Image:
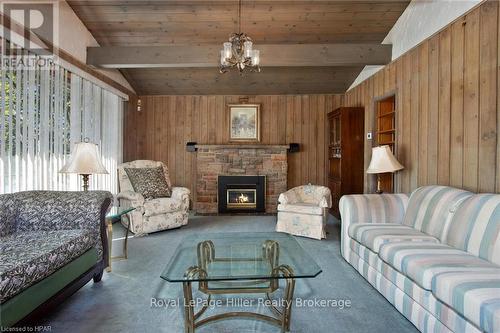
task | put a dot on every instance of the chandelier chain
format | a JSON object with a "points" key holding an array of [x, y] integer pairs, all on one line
{"points": [[239, 17]]}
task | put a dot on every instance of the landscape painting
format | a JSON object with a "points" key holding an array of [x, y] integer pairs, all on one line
{"points": [[244, 122]]}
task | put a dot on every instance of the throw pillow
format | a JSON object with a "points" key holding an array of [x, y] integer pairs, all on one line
{"points": [[150, 182]]}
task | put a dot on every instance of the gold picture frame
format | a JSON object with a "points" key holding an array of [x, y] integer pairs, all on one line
{"points": [[244, 122]]}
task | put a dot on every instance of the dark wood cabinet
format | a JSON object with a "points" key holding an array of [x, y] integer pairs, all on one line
{"points": [[345, 153]]}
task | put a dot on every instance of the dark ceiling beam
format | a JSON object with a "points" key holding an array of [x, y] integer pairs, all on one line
{"points": [[271, 81], [7, 23], [271, 55]]}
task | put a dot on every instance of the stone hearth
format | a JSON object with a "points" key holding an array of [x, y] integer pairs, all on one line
{"points": [[250, 160]]}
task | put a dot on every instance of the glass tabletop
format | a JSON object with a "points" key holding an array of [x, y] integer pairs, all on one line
{"points": [[239, 256], [117, 212]]}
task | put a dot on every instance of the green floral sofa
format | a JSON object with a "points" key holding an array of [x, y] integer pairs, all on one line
{"points": [[51, 244]]}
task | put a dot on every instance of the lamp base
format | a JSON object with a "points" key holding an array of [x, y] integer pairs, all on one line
{"points": [[85, 182], [379, 185]]}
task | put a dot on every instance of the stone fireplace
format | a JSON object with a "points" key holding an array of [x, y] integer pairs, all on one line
{"points": [[213, 161]]}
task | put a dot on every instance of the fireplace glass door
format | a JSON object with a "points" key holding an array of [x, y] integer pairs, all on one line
{"points": [[241, 194], [241, 198]]}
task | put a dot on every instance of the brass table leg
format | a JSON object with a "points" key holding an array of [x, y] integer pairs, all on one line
{"points": [[188, 308], [289, 290], [124, 255], [125, 244], [109, 224], [282, 317]]}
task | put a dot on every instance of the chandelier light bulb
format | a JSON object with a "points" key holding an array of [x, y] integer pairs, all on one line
{"points": [[248, 48], [255, 57], [227, 50], [223, 61]]}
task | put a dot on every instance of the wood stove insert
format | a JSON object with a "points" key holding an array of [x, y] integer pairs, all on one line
{"points": [[241, 194]]}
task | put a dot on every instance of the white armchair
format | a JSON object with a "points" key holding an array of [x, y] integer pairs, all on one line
{"points": [[152, 214], [303, 211]]}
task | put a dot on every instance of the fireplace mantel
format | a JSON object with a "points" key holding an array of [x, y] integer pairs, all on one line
{"points": [[241, 146]]}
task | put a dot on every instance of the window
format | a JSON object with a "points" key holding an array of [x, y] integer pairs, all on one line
{"points": [[44, 111]]}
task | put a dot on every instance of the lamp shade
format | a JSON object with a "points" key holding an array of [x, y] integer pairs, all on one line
{"points": [[383, 161], [85, 160]]}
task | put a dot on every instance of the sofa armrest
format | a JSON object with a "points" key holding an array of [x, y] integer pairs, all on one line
{"points": [[135, 199], [182, 194], [288, 197], [370, 208], [326, 199], [8, 214]]}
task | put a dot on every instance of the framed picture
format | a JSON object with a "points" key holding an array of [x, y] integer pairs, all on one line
{"points": [[244, 122]]}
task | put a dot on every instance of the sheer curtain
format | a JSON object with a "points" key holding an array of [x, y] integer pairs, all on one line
{"points": [[44, 111]]}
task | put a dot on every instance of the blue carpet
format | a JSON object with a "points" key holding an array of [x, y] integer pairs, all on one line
{"points": [[122, 302]]}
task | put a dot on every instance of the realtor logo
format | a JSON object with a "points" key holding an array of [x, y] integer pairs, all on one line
{"points": [[23, 17]]}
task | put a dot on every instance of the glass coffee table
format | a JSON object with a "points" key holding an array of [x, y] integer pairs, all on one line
{"points": [[239, 263]]}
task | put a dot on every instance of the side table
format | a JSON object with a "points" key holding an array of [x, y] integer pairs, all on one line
{"points": [[115, 215]]}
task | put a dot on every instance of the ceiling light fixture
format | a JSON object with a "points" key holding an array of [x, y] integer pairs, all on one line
{"points": [[238, 52]]}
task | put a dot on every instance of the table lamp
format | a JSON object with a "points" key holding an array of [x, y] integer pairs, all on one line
{"points": [[383, 161], [85, 161]]}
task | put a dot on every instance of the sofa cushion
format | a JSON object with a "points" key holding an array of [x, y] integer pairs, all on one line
{"points": [[476, 296], [431, 208], [301, 208], [421, 261], [475, 227], [373, 235], [161, 206], [150, 182], [364, 253], [124, 181], [28, 257]]}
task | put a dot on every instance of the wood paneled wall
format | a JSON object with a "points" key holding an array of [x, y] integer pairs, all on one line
{"points": [[447, 106], [160, 131]]}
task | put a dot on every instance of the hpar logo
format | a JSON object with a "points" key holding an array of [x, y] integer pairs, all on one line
{"points": [[30, 30]]}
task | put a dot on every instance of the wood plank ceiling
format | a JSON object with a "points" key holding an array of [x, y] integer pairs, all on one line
{"points": [[203, 22]]}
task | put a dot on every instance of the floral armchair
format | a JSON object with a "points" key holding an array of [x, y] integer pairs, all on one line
{"points": [[152, 215], [303, 211]]}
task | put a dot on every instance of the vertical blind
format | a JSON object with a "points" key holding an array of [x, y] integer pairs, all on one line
{"points": [[44, 111]]}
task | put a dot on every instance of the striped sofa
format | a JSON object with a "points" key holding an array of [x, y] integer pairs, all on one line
{"points": [[435, 255]]}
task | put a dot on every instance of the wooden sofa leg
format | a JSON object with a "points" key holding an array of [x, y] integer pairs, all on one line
{"points": [[98, 276]]}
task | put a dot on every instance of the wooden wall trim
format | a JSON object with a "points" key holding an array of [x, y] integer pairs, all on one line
{"points": [[497, 186], [447, 105]]}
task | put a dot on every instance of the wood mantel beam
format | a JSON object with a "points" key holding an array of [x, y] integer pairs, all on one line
{"points": [[272, 55]]}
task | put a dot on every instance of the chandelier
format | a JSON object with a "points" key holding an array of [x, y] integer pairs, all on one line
{"points": [[239, 52]]}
